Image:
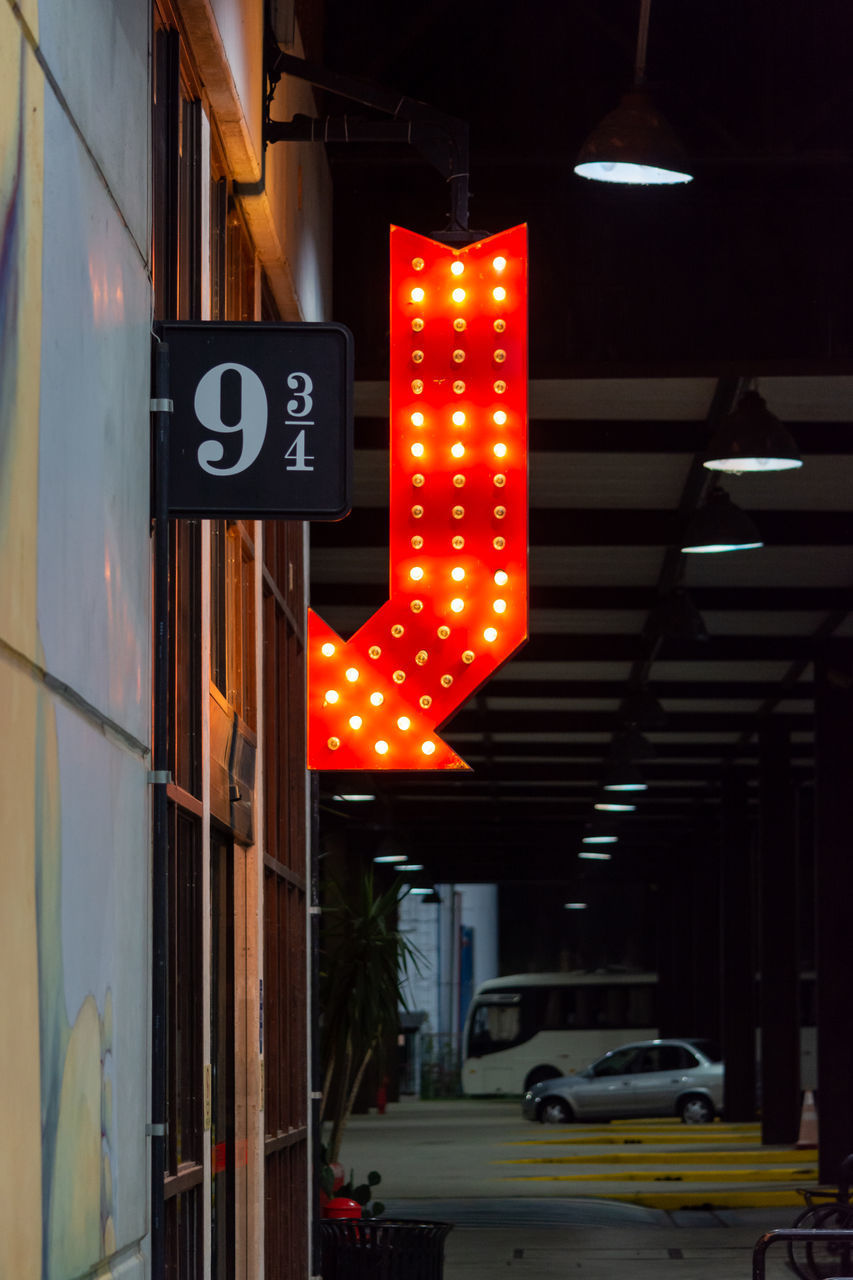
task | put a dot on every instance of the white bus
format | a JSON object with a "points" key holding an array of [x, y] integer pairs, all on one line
{"points": [[533, 1026]]}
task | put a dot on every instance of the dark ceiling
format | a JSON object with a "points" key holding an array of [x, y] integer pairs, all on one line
{"points": [[651, 310]]}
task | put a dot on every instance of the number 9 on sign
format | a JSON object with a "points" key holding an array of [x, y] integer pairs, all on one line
{"points": [[252, 424]]}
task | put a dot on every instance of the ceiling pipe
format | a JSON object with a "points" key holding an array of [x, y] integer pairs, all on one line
{"points": [[442, 139]]}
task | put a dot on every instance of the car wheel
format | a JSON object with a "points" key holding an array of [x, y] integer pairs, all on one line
{"points": [[555, 1111], [538, 1074], [696, 1110]]}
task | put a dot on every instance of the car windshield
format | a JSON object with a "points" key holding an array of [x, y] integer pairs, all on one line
{"points": [[710, 1049]]}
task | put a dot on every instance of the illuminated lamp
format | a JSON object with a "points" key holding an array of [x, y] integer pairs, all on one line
{"points": [[439, 635], [390, 857], [354, 797], [575, 906], [599, 839], [604, 806], [752, 439], [634, 145], [411, 866], [592, 855], [717, 526]]}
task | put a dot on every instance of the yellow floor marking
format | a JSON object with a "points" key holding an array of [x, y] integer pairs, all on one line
{"points": [[571, 1135], [671, 1130], [686, 1175], [663, 1122], [772, 1155], [707, 1199]]}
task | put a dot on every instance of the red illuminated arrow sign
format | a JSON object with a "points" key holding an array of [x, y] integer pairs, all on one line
{"points": [[458, 513]]}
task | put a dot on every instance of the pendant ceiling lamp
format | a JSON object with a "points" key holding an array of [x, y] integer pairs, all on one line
{"points": [[634, 145], [623, 775], [718, 525], [752, 439]]}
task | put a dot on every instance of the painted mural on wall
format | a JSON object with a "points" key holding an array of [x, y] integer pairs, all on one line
{"points": [[61, 919], [20, 287]]}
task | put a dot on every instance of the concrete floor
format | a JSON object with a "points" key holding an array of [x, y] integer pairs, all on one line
{"points": [[452, 1161]]}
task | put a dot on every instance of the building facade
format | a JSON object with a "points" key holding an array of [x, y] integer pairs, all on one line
{"points": [[134, 188]]}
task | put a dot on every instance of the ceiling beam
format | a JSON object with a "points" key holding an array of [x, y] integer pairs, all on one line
{"points": [[610, 527], [625, 648], [665, 690], [595, 751], [570, 435], [567, 771], [544, 719], [730, 599]]}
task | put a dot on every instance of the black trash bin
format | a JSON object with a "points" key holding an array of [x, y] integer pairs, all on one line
{"points": [[382, 1249]]}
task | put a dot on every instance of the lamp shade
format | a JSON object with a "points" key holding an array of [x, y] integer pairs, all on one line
{"points": [[752, 439], [623, 775], [633, 145], [719, 525]]}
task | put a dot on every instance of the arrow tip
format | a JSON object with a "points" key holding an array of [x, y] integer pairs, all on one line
{"points": [[364, 723]]}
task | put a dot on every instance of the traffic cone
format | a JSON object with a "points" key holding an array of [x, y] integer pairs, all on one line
{"points": [[808, 1122]]}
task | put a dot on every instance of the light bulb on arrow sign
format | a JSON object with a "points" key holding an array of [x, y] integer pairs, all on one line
{"points": [[457, 606]]}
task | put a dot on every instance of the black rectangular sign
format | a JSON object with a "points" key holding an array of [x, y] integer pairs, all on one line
{"points": [[262, 420]]}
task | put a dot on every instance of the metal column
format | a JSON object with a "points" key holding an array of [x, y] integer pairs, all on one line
{"points": [[779, 940], [834, 901], [737, 950], [705, 931]]}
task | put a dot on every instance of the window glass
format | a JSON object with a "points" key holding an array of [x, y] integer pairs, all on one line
{"points": [[552, 1009], [668, 1057], [709, 1048], [493, 1027], [232, 617], [616, 1063]]}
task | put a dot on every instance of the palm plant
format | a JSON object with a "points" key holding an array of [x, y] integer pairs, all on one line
{"points": [[365, 957]]}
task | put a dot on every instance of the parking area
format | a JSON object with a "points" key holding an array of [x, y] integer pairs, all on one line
{"points": [[650, 1198]]}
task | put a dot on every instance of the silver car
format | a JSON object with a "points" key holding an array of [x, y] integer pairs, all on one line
{"points": [[647, 1078]]}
